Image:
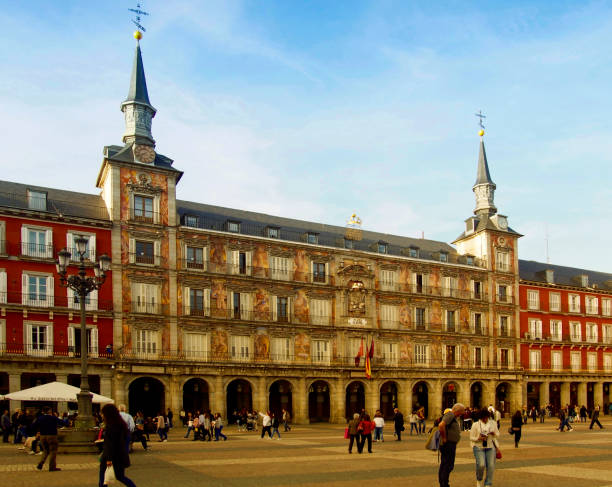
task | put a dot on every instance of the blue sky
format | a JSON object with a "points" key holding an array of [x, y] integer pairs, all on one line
{"points": [[317, 109]]}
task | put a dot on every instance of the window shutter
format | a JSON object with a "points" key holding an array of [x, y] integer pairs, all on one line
{"points": [[249, 263], [511, 358], [24, 289], [206, 302], [50, 291], [327, 278], [3, 288], [71, 341], [234, 262], [49, 243], [132, 251], [49, 344], [473, 323], [414, 282], [24, 240], [93, 300], [187, 300], [230, 304], [70, 246], [157, 251], [92, 248], [70, 298], [28, 338], [156, 216], [274, 304], [93, 345]]}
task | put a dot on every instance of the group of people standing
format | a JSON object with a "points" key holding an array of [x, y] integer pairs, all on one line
{"points": [[205, 425]]}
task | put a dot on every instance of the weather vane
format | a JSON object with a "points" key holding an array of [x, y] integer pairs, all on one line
{"points": [[480, 124], [138, 11]]}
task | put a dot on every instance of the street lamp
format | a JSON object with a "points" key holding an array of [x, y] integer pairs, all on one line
{"points": [[82, 285]]}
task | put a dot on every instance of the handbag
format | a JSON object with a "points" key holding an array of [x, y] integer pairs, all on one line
{"points": [[510, 431], [346, 433], [498, 454], [109, 475]]}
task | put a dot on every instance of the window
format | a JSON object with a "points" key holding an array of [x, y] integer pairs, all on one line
{"points": [[312, 238], [74, 341], [74, 301], [504, 357], [192, 221], [389, 353], [3, 288], [143, 208], [195, 258], [592, 305], [90, 248], [37, 242], [535, 328], [607, 361], [240, 262], [556, 360], [502, 261], [241, 308], [413, 252], [584, 280], [576, 360], [348, 243], [477, 324], [555, 330], [504, 326], [592, 332], [39, 339], [477, 356], [419, 319], [197, 301], [382, 248], [37, 290], [421, 354], [279, 268], [502, 293], [476, 290], [443, 257], [319, 272], [451, 320], [388, 280], [239, 347], [554, 301], [606, 307], [592, 361], [144, 252], [389, 316], [320, 351], [233, 226], [449, 286], [320, 311], [282, 349], [37, 200], [419, 283], [574, 303], [280, 308], [533, 299], [535, 360], [575, 331], [469, 260], [147, 343], [195, 346], [273, 232], [606, 333], [145, 298], [450, 356]]}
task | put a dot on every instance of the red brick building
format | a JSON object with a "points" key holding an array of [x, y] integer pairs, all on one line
{"points": [[39, 319], [566, 335]]}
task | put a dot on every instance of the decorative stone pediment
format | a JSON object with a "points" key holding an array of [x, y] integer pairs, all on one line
{"points": [[152, 234], [244, 246], [196, 283], [287, 253], [195, 241], [356, 271], [319, 258], [146, 278], [144, 185]]}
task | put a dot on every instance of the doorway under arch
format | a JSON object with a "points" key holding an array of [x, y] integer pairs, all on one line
{"points": [[420, 397], [449, 395], [148, 395], [318, 402], [195, 395], [239, 397], [355, 399], [388, 399], [476, 395], [280, 398]]}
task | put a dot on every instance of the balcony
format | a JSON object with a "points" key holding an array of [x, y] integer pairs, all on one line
{"points": [[148, 307], [144, 216], [37, 251], [43, 350], [37, 300], [145, 259], [504, 299]]}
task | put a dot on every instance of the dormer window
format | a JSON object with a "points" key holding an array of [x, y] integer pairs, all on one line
{"points": [[273, 232], [312, 238], [443, 257], [469, 260], [413, 252], [348, 243], [37, 200], [192, 221], [233, 226], [584, 280], [382, 248], [550, 276]]}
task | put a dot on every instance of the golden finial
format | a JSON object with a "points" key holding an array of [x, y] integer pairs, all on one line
{"points": [[138, 11], [355, 220], [481, 132], [137, 35], [480, 116]]}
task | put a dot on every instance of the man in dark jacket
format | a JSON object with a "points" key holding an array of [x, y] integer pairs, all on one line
{"points": [[595, 418], [398, 421], [5, 425], [47, 424]]}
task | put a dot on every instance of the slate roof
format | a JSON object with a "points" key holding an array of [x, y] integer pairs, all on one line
{"points": [[138, 83], [256, 224], [482, 174], [124, 153], [530, 270], [59, 202]]}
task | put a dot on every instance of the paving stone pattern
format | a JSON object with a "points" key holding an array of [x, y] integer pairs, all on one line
{"points": [[316, 455]]}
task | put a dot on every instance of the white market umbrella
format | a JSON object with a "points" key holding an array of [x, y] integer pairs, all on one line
{"points": [[53, 391]]}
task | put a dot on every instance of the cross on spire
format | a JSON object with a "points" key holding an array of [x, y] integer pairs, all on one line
{"points": [[138, 11], [480, 117]]}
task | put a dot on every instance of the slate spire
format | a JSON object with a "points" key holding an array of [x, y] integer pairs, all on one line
{"points": [[138, 84], [482, 175], [484, 187]]}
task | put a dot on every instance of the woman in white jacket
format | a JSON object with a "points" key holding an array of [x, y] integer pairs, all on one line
{"points": [[484, 441]]}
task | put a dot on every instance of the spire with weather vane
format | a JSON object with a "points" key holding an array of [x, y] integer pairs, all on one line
{"points": [[484, 187]]}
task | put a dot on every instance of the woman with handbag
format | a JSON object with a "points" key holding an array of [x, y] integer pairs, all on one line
{"points": [[516, 427], [353, 434], [365, 428], [115, 457], [483, 439]]}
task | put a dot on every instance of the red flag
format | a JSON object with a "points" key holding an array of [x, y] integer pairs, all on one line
{"points": [[359, 354], [371, 352]]}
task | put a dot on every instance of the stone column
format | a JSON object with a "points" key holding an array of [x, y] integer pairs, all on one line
{"points": [[218, 397], [488, 393], [565, 393], [463, 395], [174, 396], [582, 394], [337, 406], [598, 394], [517, 397], [372, 398], [106, 386], [119, 395], [14, 386], [545, 393], [299, 398], [260, 398], [404, 399], [435, 400], [62, 406]]}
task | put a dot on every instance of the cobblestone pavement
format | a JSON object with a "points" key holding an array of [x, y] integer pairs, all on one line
{"points": [[316, 455]]}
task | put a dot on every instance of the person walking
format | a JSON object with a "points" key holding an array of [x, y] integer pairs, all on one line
{"points": [[517, 427], [129, 422], [483, 439], [379, 422], [139, 433], [161, 427], [398, 423], [353, 433], [169, 416], [114, 453], [266, 424], [46, 424], [275, 425], [365, 428], [286, 420], [583, 414], [421, 419], [563, 422], [219, 428], [595, 418], [450, 434], [5, 425]]}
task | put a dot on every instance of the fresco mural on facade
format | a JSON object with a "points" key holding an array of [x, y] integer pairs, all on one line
{"points": [[464, 319], [436, 315], [218, 258], [218, 345], [434, 280], [133, 176], [300, 306], [261, 305], [262, 347], [463, 282], [301, 347], [404, 277], [218, 296], [260, 261], [465, 355], [405, 316], [436, 350], [300, 266], [406, 351]]}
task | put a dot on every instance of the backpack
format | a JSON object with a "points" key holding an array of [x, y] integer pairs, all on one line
{"points": [[433, 440]]}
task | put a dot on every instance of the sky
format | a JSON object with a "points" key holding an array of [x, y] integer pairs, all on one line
{"points": [[317, 109]]}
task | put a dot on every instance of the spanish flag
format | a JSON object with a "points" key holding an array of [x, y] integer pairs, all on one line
{"points": [[368, 361], [359, 354]]}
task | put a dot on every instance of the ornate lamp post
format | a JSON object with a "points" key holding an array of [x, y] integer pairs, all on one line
{"points": [[82, 285]]}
